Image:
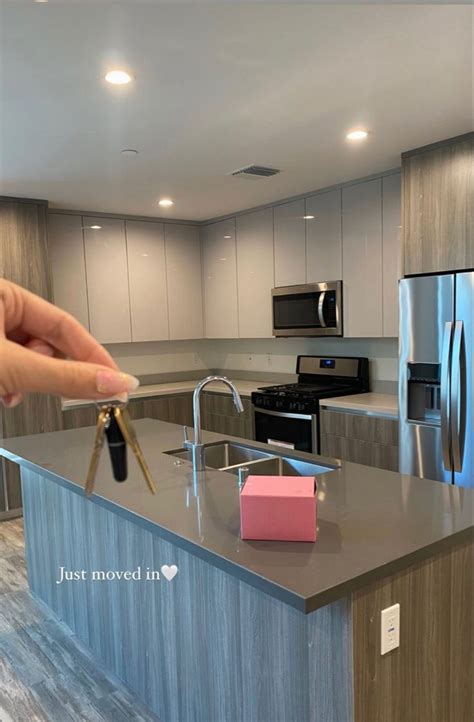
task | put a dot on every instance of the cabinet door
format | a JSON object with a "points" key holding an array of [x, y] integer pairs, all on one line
{"points": [[437, 207], [147, 281], [290, 243], [183, 268], [68, 265], [362, 259], [392, 251], [107, 279], [220, 280], [255, 273], [324, 237]]}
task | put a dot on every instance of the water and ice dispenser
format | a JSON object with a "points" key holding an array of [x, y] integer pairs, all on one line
{"points": [[424, 392]]}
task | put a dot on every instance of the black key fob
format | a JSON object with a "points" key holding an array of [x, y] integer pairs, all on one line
{"points": [[117, 449]]}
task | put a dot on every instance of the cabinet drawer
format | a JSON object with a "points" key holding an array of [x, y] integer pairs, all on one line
{"points": [[357, 426], [382, 456], [223, 404]]}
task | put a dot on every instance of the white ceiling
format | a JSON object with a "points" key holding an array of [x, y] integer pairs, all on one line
{"points": [[217, 88]]}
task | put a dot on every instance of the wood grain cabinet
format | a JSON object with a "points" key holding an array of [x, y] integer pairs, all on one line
{"points": [[362, 259], [177, 409], [324, 237], [147, 281], [68, 265], [255, 273], [183, 273], [368, 440], [391, 251], [437, 207], [219, 415], [107, 279], [220, 280], [290, 243]]}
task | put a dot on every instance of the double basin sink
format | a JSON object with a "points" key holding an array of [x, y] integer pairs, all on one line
{"points": [[231, 456]]}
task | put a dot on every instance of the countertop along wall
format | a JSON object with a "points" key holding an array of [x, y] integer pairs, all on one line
{"points": [[268, 359]]}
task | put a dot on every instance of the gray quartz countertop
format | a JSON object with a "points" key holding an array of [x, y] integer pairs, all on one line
{"points": [[368, 404], [244, 387], [370, 522]]}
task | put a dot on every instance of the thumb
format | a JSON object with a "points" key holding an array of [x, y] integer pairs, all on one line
{"points": [[22, 371]]}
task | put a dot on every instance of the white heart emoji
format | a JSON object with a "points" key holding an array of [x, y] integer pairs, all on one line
{"points": [[169, 573]]}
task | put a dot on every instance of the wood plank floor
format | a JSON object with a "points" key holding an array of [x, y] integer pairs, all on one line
{"points": [[46, 674]]}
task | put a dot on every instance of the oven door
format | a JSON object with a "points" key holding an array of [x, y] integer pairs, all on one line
{"points": [[313, 309], [291, 431]]}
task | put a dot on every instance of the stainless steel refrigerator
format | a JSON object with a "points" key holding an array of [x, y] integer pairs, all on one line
{"points": [[436, 377]]}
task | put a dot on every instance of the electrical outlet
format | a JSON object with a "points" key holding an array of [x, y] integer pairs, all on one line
{"points": [[390, 629]]}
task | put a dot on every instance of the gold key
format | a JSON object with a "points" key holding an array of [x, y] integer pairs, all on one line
{"points": [[125, 425], [104, 416]]}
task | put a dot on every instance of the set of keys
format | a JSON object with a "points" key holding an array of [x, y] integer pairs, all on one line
{"points": [[114, 424]]}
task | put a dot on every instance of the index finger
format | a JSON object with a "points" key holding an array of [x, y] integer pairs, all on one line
{"points": [[36, 317]]}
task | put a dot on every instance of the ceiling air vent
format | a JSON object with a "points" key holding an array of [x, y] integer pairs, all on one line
{"points": [[255, 171]]}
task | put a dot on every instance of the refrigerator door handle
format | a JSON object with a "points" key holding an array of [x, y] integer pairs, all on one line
{"points": [[457, 411], [445, 395]]}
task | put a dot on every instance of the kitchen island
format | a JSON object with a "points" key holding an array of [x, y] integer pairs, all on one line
{"points": [[254, 631]]}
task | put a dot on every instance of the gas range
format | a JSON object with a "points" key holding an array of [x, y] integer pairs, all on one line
{"points": [[288, 413]]}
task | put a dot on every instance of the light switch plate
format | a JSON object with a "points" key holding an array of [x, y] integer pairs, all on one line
{"points": [[390, 629]]}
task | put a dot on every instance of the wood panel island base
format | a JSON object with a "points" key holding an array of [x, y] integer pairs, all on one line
{"points": [[255, 631]]}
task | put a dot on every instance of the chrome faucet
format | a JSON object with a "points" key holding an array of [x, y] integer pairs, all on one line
{"points": [[197, 447]]}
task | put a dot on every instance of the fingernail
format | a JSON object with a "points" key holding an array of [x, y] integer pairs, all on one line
{"points": [[109, 381], [11, 400]]}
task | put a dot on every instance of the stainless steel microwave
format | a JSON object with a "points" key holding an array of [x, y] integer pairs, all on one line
{"points": [[311, 309]]}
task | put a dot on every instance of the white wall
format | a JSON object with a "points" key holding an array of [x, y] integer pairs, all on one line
{"points": [[258, 355]]}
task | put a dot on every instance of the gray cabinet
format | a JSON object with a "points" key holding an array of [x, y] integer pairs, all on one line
{"points": [[68, 265], [147, 281], [437, 207], [324, 237], [368, 440], [107, 279], [220, 280], [362, 259], [290, 243], [183, 273], [255, 273]]}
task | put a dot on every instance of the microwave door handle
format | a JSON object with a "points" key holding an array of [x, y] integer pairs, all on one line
{"points": [[445, 394], [458, 397], [322, 320]]}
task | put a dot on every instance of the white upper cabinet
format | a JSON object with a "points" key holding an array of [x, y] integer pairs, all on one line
{"points": [[107, 279], [290, 243], [255, 273], [392, 251], [183, 266], [324, 237], [147, 280], [362, 259], [68, 266], [220, 280]]}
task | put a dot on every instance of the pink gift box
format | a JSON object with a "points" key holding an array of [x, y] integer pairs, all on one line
{"points": [[278, 508]]}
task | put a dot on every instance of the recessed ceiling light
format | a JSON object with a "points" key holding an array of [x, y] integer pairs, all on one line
{"points": [[95, 228], [118, 77], [129, 152], [41, 1], [227, 236], [358, 134], [308, 218], [166, 202]]}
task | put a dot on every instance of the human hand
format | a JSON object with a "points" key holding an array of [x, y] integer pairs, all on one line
{"points": [[44, 349]]}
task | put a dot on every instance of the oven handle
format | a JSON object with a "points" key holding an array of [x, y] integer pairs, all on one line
{"points": [[322, 321], [284, 415]]}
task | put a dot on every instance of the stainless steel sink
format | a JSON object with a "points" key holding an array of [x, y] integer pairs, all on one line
{"points": [[224, 455], [286, 466], [229, 456]]}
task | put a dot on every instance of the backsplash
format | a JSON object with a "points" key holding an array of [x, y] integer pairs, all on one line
{"points": [[272, 359]]}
